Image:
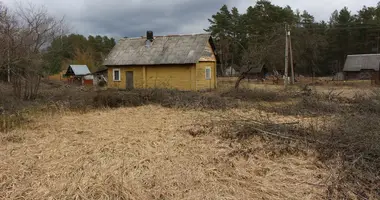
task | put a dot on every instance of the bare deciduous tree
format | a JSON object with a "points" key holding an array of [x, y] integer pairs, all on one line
{"points": [[261, 50], [27, 31]]}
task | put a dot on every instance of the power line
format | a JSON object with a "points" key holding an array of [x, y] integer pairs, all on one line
{"points": [[352, 25], [341, 28], [328, 27]]}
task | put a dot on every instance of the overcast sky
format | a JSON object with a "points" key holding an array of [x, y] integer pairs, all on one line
{"points": [[119, 18]]}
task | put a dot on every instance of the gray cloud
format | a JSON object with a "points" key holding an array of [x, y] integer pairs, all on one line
{"points": [[118, 18], [160, 16]]}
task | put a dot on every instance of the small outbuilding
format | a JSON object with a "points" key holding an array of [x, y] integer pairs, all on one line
{"points": [[79, 74], [100, 77], [230, 71], [362, 66], [254, 72]]}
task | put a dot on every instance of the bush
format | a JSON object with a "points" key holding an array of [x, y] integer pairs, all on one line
{"points": [[316, 104], [163, 97], [114, 99], [254, 95], [367, 103], [10, 122], [102, 83]]}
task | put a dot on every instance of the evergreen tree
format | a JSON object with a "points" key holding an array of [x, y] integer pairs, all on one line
{"points": [[318, 47], [77, 49]]}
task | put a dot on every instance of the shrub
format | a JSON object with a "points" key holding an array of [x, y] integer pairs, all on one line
{"points": [[163, 97], [114, 99], [367, 103], [254, 95], [102, 83], [10, 122]]}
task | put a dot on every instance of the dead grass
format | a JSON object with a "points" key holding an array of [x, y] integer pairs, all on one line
{"points": [[10, 122], [146, 153], [260, 142]]}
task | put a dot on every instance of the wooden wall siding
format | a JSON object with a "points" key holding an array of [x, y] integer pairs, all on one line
{"points": [[181, 77], [362, 75], [208, 53], [201, 82], [122, 84], [172, 77]]}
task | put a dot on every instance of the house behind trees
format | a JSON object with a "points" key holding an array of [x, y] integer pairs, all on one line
{"points": [[184, 62]]}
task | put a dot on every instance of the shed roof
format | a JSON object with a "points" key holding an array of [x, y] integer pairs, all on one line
{"points": [[78, 70], [174, 49], [252, 69], [101, 70], [355, 63]]}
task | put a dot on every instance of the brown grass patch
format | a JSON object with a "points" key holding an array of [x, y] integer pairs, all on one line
{"points": [[186, 145], [142, 153]]}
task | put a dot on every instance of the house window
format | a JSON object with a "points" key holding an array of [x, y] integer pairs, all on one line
{"points": [[116, 75], [208, 73]]}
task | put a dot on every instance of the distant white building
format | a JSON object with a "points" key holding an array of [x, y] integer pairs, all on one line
{"points": [[230, 71], [338, 76]]}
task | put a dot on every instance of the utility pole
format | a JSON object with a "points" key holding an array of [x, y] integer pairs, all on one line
{"points": [[286, 56], [291, 57], [9, 62], [378, 37]]}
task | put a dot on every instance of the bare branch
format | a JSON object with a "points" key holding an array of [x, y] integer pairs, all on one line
{"points": [[26, 31]]}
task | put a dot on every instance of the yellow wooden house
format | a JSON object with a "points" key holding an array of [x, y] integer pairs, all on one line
{"points": [[184, 62]]}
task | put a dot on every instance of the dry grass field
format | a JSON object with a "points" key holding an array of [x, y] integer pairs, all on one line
{"points": [[146, 153], [322, 85], [259, 143]]}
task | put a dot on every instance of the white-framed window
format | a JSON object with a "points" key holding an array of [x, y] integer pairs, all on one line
{"points": [[116, 75], [208, 73]]}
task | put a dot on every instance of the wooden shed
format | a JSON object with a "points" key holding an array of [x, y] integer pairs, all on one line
{"points": [[79, 74], [184, 62], [254, 72], [362, 66]]}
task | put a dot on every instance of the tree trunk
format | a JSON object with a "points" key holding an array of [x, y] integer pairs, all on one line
{"points": [[237, 84]]}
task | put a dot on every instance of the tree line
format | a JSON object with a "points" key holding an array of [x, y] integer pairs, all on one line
{"points": [[257, 37], [78, 49]]}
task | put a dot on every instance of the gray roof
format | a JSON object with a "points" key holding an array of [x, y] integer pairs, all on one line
{"points": [[175, 49], [355, 63], [80, 70], [253, 69]]}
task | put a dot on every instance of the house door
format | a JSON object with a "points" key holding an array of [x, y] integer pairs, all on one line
{"points": [[129, 80]]}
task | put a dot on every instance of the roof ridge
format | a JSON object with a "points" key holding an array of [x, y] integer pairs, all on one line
{"points": [[169, 35], [372, 54]]}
